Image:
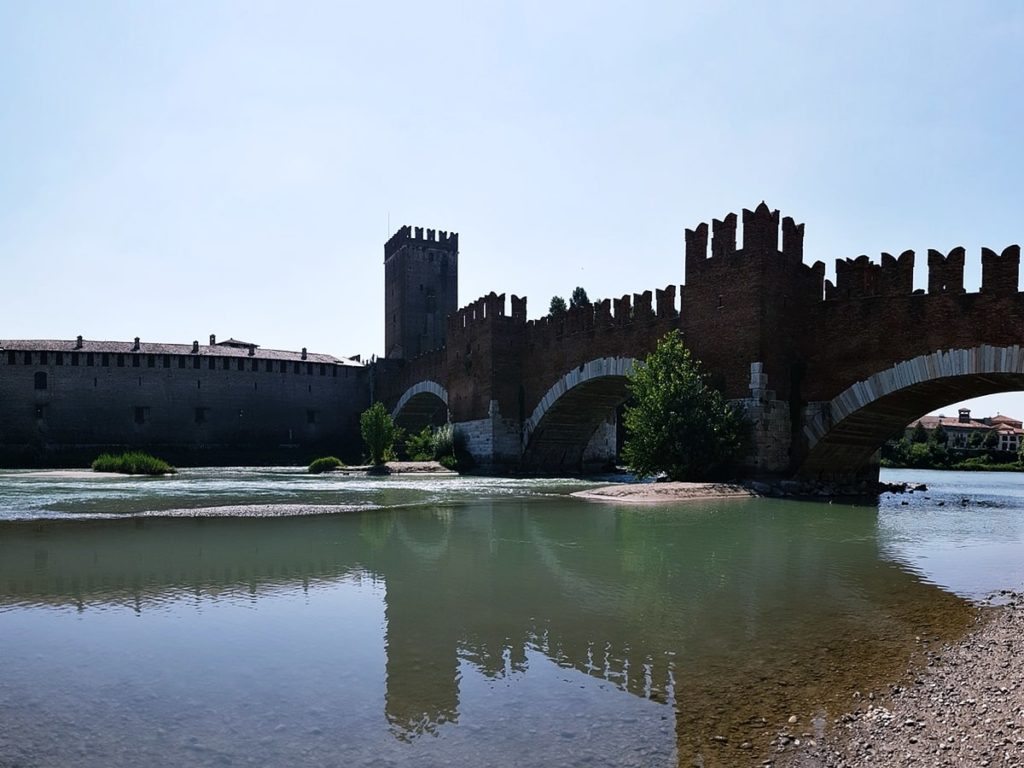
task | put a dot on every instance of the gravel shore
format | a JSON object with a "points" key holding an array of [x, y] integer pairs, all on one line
{"points": [[661, 493], [964, 706]]}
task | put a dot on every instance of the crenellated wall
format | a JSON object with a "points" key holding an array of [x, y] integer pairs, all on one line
{"points": [[771, 332]]}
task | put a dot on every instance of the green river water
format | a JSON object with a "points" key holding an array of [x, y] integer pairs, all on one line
{"points": [[253, 617]]}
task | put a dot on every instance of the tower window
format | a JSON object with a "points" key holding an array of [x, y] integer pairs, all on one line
{"points": [[40, 380], [141, 414]]}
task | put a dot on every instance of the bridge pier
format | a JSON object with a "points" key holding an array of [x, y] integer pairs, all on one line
{"points": [[494, 442]]}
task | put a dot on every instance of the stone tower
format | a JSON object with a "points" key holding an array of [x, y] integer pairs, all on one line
{"points": [[421, 279]]}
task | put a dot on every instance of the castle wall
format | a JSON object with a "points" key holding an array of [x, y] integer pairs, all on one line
{"points": [[214, 406]]}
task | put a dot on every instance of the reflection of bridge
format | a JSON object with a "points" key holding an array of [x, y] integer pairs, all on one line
{"points": [[825, 372], [606, 593]]}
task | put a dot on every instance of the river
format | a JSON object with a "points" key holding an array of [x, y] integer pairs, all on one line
{"points": [[237, 617]]}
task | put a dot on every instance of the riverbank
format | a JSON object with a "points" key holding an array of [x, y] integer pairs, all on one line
{"points": [[960, 705]]}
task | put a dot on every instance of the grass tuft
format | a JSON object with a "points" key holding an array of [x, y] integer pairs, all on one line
{"points": [[132, 463], [325, 464]]}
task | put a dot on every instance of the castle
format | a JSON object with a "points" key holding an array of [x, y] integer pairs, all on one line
{"points": [[825, 371]]}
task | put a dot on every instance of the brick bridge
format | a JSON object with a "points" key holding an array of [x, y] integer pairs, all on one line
{"points": [[826, 373]]}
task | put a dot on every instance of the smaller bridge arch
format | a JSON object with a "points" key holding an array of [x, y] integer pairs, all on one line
{"points": [[557, 433], [844, 433], [424, 403]]}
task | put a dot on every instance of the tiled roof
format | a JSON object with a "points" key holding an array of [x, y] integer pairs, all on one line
{"points": [[150, 348], [1007, 420], [932, 422]]}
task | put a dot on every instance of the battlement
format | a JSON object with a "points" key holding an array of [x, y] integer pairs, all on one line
{"points": [[639, 307], [418, 236], [760, 239], [1000, 272], [861, 278], [483, 309]]}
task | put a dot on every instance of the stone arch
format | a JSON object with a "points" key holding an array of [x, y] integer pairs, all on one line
{"points": [[844, 433], [422, 404], [557, 433]]}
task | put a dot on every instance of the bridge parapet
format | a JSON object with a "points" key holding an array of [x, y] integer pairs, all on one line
{"points": [[861, 278], [609, 313], [486, 308], [1000, 272], [946, 273], [760, 238]]}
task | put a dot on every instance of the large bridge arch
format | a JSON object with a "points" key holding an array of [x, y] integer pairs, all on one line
{"points": [[424, 403], [844, 433], [557, 433]]}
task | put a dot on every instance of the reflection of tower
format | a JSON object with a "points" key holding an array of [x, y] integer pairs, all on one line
{"points": [[421, 278], [422, 639]]}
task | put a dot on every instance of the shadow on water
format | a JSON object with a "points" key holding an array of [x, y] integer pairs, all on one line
{"points": [[733, 616]]}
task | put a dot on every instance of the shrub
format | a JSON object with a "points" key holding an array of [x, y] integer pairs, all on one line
{"points": [[420, 446], [325, 464], [443, 441], [132, 463], [379, 432], [449, 462]]}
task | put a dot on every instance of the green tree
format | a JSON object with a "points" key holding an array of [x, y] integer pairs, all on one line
{"points": [[379, 433], [678, 424], [557, 306], [939, 435], [579, 298], [919, 434]]}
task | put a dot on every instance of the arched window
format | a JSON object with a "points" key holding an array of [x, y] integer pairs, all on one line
{"points": [[41, 380]]}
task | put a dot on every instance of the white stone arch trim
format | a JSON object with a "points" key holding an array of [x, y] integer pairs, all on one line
{"points": [[419, 388], [595, 369], [937, 365]]}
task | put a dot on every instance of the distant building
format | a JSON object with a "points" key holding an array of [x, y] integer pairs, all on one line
{"points": [[964, 432]]}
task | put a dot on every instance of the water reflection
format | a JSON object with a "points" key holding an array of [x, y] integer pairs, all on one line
{"points": [[733, 615]]}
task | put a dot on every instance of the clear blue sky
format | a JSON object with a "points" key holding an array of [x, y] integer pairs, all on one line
{"points": [[175, 169]]}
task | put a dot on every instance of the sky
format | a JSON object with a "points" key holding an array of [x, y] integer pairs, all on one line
{"points": [[170, 170]]}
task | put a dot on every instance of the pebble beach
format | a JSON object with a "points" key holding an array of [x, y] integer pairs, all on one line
{"points": [[960, 705]]}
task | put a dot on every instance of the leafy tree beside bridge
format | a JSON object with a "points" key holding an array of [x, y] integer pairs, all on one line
{"points": [[677, 423], [379, 433]]}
